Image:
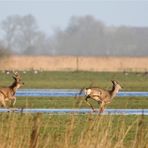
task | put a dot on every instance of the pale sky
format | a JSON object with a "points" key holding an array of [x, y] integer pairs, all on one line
{"points": [[57, 13]]}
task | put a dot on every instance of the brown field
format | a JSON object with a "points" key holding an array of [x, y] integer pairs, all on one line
{"points": [[73, 63]]}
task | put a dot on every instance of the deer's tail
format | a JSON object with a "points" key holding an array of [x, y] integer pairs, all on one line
{"points": [[77, 96]]}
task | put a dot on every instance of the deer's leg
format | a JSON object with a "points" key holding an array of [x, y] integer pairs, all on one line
{"points": [[3, 103], [86, 100], [101, 109], [13, 101]]}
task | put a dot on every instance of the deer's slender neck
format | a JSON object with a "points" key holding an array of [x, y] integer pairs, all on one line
{"points": [[114, 91], [13, 86]]}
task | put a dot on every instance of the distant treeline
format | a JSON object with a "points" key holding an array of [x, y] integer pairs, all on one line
{"points": [[84, 36]]}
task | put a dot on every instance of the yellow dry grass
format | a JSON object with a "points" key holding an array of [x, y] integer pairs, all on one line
{"points": [[72, 63]]}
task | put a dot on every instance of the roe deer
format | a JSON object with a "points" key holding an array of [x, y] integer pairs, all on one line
{"points": [[102, 96], [8, 93]]}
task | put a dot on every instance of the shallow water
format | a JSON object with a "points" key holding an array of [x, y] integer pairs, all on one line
{"points": [[67, 93], [79, 111]]}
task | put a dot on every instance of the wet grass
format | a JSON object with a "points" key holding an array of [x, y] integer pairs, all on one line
{"points": [[130, 81], [71, 102]]}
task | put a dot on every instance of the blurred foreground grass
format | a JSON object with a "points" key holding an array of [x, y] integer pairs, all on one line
{"points": [[19, 130]]}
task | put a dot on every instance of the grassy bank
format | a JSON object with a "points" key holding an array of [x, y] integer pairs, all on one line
{"points": [[71, 102]]}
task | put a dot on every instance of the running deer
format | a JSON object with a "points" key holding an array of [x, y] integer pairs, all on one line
{"points": [[102, 96], [7, 94]]}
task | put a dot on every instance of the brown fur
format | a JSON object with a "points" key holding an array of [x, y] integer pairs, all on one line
{"points": [[8, 93], [102, 96]]}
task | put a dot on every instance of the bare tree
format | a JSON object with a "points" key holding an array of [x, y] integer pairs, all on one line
{"points": [[88, 36], [10, 26], [82, 36], [4, 51], [21, 34]]}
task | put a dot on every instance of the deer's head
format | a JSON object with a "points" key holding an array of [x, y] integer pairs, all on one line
{"points": [[17, 80], [116, 85]]}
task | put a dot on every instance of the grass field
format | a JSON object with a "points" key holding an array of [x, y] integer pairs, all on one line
{"points": [[75, 131], [78, 80], [71, 102], [129, 81]]}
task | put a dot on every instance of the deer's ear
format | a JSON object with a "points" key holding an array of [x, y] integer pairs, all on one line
{"points": [[113, 81]]}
